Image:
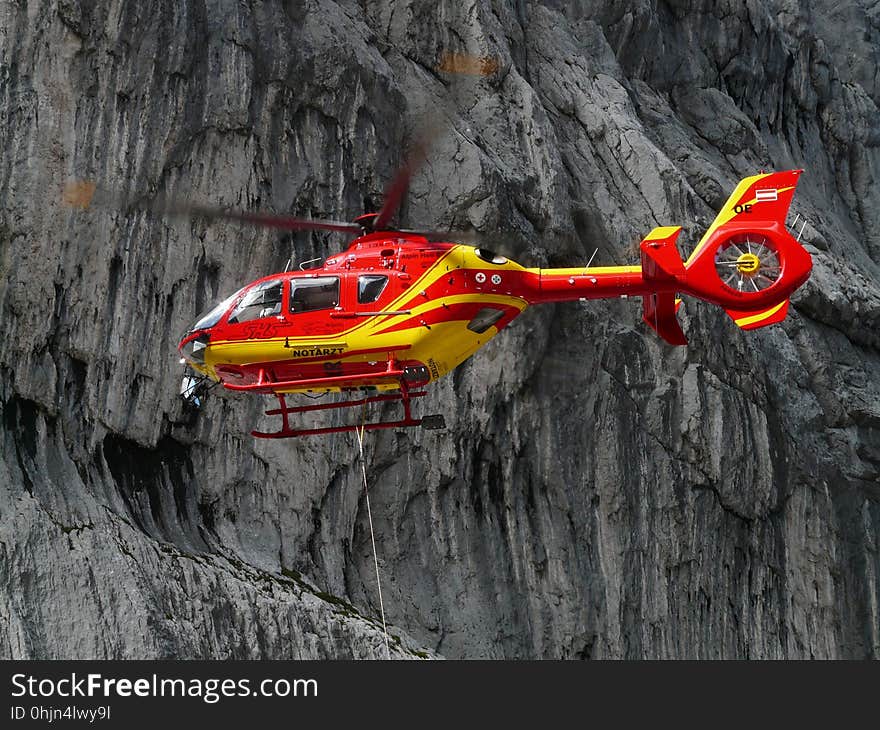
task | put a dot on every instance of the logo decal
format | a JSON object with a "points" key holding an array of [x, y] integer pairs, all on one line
{"points": [[480, 277], [260, 329], [766, 196]]}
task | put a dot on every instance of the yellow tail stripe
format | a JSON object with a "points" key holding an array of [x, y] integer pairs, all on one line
{"points": [[760, 316], [726, 212]]}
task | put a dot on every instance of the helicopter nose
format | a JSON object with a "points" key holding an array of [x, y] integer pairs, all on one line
{"points": [[193, 346]]}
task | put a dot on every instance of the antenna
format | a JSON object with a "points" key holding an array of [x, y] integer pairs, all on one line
{"points": [[803, 226], [591, 260]]}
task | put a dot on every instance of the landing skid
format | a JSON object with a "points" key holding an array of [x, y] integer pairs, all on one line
{"points": [[428, 422]]}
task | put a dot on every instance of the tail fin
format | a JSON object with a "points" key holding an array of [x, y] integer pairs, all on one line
{"points": [[747, 262], [759, 198]]}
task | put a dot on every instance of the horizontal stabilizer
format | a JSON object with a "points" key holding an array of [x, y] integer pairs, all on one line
{"points": [[661, 260], [753, 320]]}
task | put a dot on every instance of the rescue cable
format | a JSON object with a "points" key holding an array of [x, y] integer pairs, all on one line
{"points": [[360, 435]]}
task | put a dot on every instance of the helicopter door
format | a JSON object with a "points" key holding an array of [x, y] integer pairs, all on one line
{"points": [[315, 305]]}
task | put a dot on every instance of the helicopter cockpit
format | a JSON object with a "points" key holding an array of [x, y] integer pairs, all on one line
{"points": [[283, 300], [307, 294], [214, 314], [261, 300]]}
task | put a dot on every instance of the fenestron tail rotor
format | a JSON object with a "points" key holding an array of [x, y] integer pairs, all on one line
{"points": [[747, 263]]}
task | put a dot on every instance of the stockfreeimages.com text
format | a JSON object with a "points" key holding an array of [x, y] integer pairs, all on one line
{"points": [[209, 690]]}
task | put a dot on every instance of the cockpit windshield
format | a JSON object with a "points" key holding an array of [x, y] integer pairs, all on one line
{"points": [[261, 300], [213, 315]]}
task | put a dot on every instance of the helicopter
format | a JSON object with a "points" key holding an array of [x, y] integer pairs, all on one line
{"points": [[396, 311]]}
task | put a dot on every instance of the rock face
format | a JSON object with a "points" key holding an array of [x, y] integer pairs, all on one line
{"points": [[598, 493]]}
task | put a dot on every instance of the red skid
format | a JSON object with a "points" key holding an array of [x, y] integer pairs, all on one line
{"points": [[293, 433], [288, 432], [344, 404]]}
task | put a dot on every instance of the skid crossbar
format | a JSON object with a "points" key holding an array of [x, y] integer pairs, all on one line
{"points": [[393, 373], [287, 432]]}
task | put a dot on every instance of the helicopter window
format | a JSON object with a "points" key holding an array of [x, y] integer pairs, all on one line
{"points": [[213, 316], [370, 288], [307, 295], [263, 300], [490, 256]]}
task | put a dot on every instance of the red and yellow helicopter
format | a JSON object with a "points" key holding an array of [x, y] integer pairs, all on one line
{"points": [[396, 311]]}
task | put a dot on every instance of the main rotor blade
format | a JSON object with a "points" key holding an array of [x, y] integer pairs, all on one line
{"points": [[469, 237], [256, 218], [467, 64], [449, 63], [400, 184], [83, 193]]}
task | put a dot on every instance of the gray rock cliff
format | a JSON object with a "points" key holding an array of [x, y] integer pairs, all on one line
{"points": [[598, 493]]}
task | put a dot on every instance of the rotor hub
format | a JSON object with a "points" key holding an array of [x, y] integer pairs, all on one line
{"points": [[748, 263], [367, 221]]}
